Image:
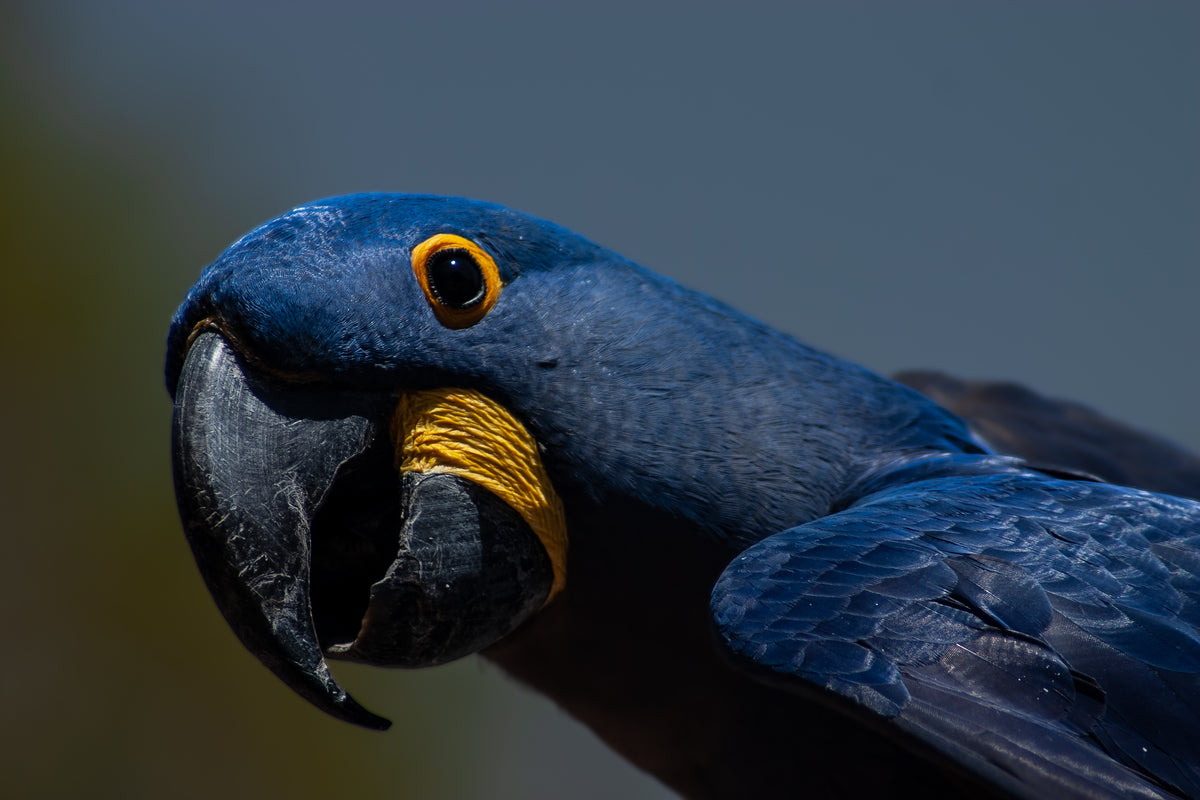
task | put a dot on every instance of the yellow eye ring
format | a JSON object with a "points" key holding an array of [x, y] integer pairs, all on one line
{"points": [[459, 279]]}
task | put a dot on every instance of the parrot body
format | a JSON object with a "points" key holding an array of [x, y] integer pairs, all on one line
{"points": [[750, 566]]}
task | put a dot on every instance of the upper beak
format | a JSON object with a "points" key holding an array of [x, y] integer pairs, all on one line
{"points": [[253, 461]]}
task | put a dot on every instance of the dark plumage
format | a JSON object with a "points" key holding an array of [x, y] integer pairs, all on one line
{"points": [[785, 573]]}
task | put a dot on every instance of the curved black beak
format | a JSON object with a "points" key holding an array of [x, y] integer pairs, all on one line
{"points": [[253, 461], [312, 543]]}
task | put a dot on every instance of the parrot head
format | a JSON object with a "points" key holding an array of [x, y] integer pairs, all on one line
{"points": [[346, 487]]}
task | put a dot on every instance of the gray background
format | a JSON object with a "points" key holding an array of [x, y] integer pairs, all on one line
{"points": [[998, 190]]}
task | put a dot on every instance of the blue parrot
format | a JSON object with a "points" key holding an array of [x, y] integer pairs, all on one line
{"points": [[409, 428]]}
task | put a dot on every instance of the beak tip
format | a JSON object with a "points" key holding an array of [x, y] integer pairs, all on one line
{"points": [[321, 689], [353, 712]]}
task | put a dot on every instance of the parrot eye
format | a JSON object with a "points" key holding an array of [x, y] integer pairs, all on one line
{"points": [[459, 279], [455, 278]]}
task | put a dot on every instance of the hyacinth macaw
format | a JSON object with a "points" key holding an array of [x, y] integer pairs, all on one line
{"points": [[409, 428]]}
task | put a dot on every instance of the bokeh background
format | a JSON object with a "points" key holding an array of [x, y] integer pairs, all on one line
{"points": [[994, 189]]}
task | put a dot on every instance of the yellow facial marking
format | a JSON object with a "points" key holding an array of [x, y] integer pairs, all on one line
{"points": [[461, 432], [447, 267]]}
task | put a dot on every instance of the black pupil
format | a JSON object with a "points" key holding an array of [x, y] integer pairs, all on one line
{"points": [[455, 278]]}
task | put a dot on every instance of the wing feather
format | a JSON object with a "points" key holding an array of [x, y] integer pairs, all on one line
{"points": [[1039, 627]]}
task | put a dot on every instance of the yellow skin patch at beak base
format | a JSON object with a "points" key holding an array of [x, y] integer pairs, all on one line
{"points": [[462, 432]]}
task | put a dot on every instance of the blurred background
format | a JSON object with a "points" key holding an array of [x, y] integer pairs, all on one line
{"points": [[997, 190]]}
